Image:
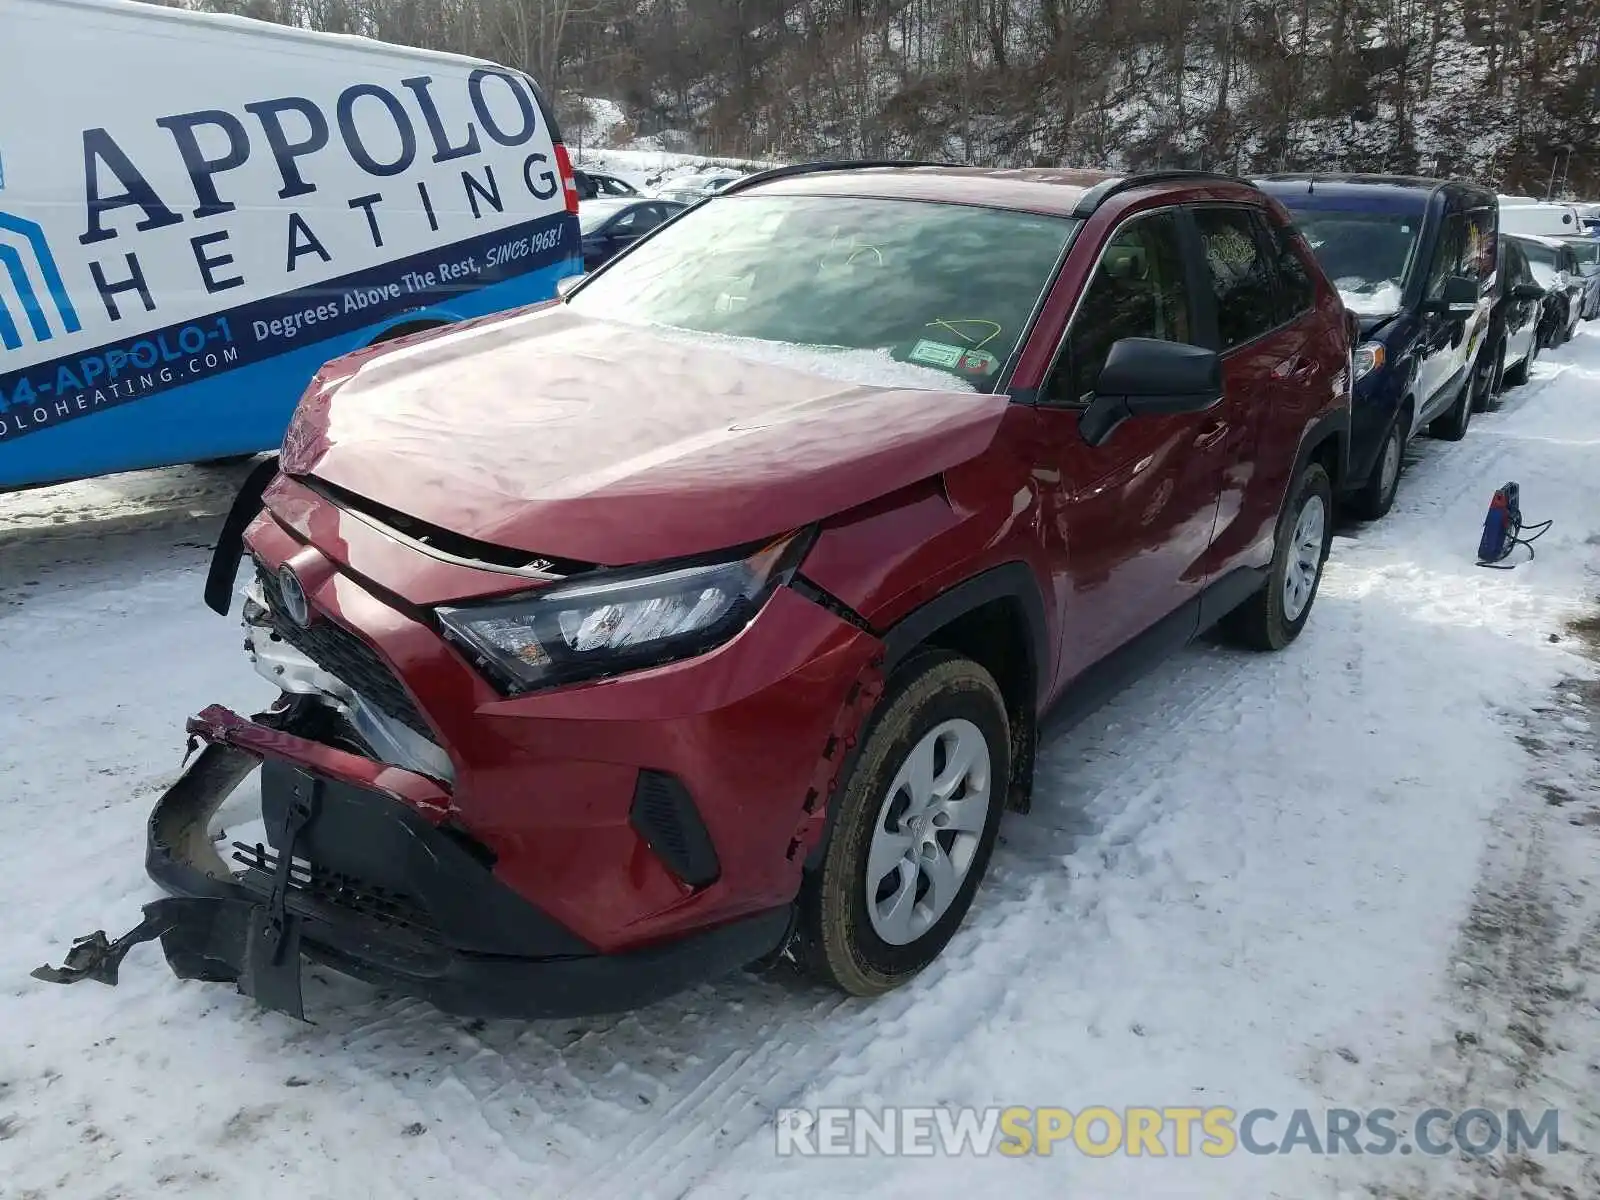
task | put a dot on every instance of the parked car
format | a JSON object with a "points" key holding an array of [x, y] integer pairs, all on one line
{"points": [[688, 189], [713, 610], [1513, 338], [592, 185], [1555, 266], [611, 226], [1586, 252], [1414, 260]]}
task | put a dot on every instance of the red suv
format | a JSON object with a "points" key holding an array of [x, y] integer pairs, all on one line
{"points": [[711, 610]]}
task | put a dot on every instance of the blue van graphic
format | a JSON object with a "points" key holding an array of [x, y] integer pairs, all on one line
{"points": [[16, 269]]}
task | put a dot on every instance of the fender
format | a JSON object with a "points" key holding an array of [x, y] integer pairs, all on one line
{"points": [[1335, 425], [1008, 581]]}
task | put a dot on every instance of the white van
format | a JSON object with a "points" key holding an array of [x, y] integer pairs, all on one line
{"points": [[197, 211], [1539, 218]]}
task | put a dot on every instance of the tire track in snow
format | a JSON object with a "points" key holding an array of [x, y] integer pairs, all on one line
{"points": [[996, 946], [648, 1104]]}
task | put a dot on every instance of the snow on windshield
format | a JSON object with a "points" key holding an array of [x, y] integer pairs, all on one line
{"points": [[1367, 255], [872, 368], [1543, 272], [1369, 299]]}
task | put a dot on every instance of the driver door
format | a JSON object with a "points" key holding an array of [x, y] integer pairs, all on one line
{"points": [[1128, 521]]}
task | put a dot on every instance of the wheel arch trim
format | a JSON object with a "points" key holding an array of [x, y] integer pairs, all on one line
{"points": [[1013, 580]]}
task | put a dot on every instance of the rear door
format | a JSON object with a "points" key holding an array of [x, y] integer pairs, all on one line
{"points": [[1274, 374]]}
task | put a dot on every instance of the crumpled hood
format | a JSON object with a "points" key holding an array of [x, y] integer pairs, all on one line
{"points": [[574, 438]]}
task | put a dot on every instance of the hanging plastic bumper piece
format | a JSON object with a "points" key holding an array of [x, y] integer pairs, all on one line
{"points": [[226, 934]]}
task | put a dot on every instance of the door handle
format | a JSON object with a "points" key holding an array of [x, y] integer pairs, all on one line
{"points": [[1211, 435]]}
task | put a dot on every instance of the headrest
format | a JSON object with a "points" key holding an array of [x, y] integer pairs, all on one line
{"points": [[1126, 262]]}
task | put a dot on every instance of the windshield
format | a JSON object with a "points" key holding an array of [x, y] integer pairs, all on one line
{"points": [[1365, 254], [1587, 249], [944, 288], [594, 213], [1543, 260]]}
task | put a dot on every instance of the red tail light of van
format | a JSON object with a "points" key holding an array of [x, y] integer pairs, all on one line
{"points": [[568, 183]]}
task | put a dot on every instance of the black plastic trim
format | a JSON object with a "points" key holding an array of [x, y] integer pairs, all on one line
{"points": [[1013, 580], [229, 550], [1224, 595], [1098, 682], [1330, 425], [1097, 195], [822, 165], [664, 815], [827, 600]]}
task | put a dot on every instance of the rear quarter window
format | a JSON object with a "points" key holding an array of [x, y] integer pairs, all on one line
{"points": [[1239, 266]]}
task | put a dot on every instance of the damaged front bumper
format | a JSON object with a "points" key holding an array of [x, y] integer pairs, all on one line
{"points": [[365, 871]]}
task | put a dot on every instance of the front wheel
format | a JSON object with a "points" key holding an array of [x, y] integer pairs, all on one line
{"points": [[1376, 496], [1275, 615], [1491, 367], [1518, 375], [915, 825], [1451, 425]]}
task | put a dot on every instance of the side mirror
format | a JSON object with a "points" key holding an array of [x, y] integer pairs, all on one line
{"points": [[1527, 291], [566, 283], [1147, 377], [1459, 298]]}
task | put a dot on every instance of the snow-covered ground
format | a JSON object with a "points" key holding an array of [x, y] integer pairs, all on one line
{"points": [[1362, 873]]}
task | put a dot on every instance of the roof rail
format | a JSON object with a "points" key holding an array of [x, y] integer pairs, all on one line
{"points": [[810, 168], [1107, 188]]}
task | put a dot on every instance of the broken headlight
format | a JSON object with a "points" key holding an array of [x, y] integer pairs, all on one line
{"points": [[607, 623]]}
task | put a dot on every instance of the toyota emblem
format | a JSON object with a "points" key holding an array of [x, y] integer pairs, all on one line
{"points": [[294, 597]]}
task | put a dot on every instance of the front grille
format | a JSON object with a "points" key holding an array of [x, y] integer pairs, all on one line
{"points": [[338, 651], [333, 889]]}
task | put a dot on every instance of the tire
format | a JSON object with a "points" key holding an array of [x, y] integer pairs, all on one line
{"points": [[849, 934], [1451, 425], [1491, 366], [1518, 375], [1264, 621], [1376, 496]]}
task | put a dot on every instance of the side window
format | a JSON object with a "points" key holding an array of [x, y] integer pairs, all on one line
{"points": [[1241, 273], [628, 222], [650, 215], [1451, 255], [1137, 291], [1482, 252], [1517, 265], [1297, 292]]}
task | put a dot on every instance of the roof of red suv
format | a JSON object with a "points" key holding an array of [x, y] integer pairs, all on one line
{"points": [[1057, 191]]}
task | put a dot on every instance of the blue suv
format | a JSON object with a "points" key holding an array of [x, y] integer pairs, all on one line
{"points": [[1414, 261]]}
